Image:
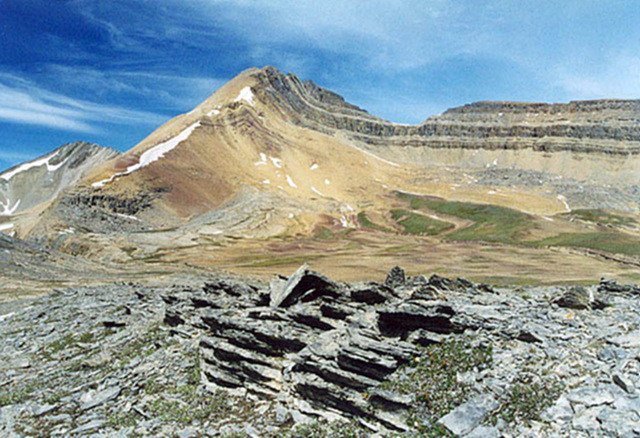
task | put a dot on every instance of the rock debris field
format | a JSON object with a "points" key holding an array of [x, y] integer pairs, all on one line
{"points": [[305, 356]]}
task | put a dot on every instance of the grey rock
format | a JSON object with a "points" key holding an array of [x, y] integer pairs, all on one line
{"points": [[624, 383], [40, 410], [282, 414], [101, 397], [618, 423], [469, 415], [402, 319], [88, 427], [372, 293], [612, 287], [450, 285], [303, 285], [629, 340], [587, 420], [484, 432], [395, 277], [591, 396], [575, 298]]}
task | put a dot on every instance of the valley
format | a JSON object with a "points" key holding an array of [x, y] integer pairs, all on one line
{"points": [[272, 171]]}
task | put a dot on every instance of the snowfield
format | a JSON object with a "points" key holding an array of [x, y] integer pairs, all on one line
{"points": [[37, 163], [152, 155], [246, 95]]}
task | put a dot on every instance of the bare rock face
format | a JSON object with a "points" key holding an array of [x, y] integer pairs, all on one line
{"points": [[41, 180], [598, 126]]}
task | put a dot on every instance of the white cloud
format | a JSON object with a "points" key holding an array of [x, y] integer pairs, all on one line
{"points": [[617, 76], [398, 34], [23, 102], [175, 90]]}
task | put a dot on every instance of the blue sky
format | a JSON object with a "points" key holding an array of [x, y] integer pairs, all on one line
{"points": [[111, 71]]}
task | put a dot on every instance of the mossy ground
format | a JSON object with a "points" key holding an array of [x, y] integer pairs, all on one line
{"points": [[415, 223], [497, 224]]}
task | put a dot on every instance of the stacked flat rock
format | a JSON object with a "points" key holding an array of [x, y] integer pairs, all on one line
{"points": [[222, 356]]}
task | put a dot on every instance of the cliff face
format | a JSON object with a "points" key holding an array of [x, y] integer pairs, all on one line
{"points": [[599, 126]]}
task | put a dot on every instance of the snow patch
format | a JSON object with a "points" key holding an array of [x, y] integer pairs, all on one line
{"points": [[5, 227], [263, 160], [547, 218], [214, 112], [290, 182], [562, 199], [314, 166], [246, 95], [344, 222], [7, 210], [276, 162], [492, 192], [266, 181], [291, 216], [69, 230], [327, 182], [316, 191], [152, 155], [132, 218], [37, 163], [374, 156], [348, 207]]}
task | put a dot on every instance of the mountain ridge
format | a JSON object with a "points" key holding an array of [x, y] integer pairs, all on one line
{"points": [[274, 166]]}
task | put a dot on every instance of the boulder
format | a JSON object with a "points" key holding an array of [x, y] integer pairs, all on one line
{"points": [[304, 285], [395, 278], [372, 293], [579, 298], [414, 315]]}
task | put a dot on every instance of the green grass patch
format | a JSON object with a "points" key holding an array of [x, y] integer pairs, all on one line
{"points": [[327, 430], [278, 261], [17, 395], [186, 404], [324, 233], [527, 400], [612, 242], [397, 249], [491, 223], [432, 378], [365, 222], [414, 223], [598, 216]]}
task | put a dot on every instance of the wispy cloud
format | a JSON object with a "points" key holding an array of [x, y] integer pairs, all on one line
{"points": [[23, 102], [170, 89], [616, 77], [14, 156]]}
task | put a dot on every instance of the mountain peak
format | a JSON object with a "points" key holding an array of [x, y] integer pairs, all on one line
{"points": [[39, 181]]}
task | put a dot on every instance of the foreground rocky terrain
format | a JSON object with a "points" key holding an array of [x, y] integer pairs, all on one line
{"points": [[306, 356]]}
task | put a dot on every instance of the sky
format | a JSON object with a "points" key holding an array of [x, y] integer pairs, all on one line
{"points": [[110, 72]]}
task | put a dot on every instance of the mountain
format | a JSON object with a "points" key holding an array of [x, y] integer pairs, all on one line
{"points": [[34, 184], [271, 168]]}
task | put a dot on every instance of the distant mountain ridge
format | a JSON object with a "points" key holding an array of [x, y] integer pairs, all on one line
{"points": [[38, 181], [601, 126]]}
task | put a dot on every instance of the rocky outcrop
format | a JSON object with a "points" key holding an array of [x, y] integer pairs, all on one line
{"points": [[213, 357], [599, 126]]}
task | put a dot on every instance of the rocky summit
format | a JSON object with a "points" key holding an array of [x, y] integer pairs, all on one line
{"points": [[307, 356]]}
